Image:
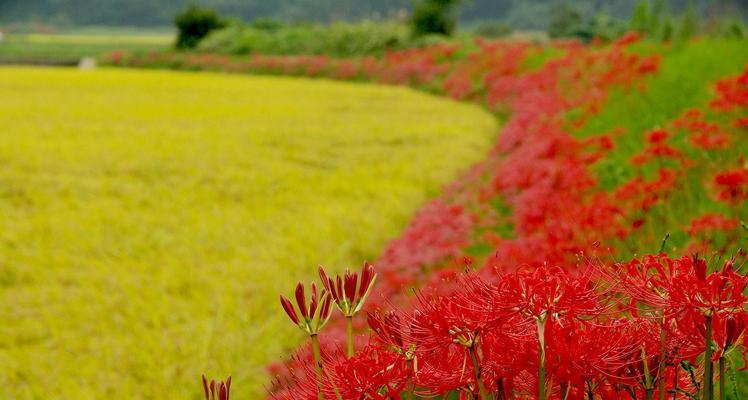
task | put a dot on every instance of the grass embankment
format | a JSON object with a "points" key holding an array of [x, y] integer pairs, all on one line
{"points": [[149, 219], [69, 48], [686, 80]]}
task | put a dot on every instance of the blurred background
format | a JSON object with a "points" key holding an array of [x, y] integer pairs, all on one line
{"points": [[61, 30]]}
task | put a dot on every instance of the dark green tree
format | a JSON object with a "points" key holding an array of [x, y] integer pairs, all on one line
{"points": [[195, 23], [659, 12], [689, 22], [565, 21], [640, 19], [434, 17]]}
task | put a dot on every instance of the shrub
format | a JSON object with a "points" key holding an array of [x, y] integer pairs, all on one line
{"points": [[568, 22], [267, 24], [434, 17], [339, 39], [640, 19], [565, 21], [193, 24], [493, 29]]}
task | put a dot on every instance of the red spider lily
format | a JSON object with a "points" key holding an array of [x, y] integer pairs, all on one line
{"points": [[441, 322], [315, 315], [711, 222], [729, 332], [710, 142], [741, 123], [658, 136], [581, 352], [548, 292], [390, 329], [658, 150], [637, 360], [719, 292], [348, 292], [370, 374], [506, 352], [217, 390], [444, 322], [733, 185], [301, 380], [648, 281], [731, 93]]}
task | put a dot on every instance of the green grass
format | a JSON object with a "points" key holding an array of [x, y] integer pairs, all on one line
{"points": [[685, 80], [149, 219], [71, 47]]}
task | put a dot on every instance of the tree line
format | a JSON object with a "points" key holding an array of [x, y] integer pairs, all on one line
{"points": [[519, 14]]}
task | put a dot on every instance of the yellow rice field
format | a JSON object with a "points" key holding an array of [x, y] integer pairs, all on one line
{"points": [[148, 220]]}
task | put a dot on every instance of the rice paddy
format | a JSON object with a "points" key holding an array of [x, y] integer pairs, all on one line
{"points": [[148, 219]]}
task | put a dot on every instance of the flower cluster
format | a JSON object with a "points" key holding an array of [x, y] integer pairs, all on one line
{"points": [[650, 327]]}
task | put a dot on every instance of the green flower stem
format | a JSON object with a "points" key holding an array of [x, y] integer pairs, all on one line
{"points": [[349, 328], [675, 382], [411, 386], [500, 386], [317, 365], [648, 383], [661, 371], [708, 375], [476, 369], [541, 361], [722, 378]]}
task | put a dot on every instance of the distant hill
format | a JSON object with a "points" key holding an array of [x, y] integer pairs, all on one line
{"points": [[522, 14]]}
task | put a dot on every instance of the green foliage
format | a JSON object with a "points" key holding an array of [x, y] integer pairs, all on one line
{"points": [[658, 23], [667, 30], [68, 49], [640, 20], [685, 80], [734, 29], [566, 21], [659, 14], [604, 27], [338, 39], [267, 24], [492, 29], [195, 23], [434, 17], [689, 22]]}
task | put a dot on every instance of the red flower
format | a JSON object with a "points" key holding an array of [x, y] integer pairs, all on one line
{"points": [[711, 222], [547, 292], [371, 374], [217, 390], [658, 136], [315, 316], [392, 332], [733, 185], [348, 292], [719, 292]]}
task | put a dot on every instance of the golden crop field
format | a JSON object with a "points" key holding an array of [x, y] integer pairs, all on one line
{"points": [[110, 39], [148, 220]]}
